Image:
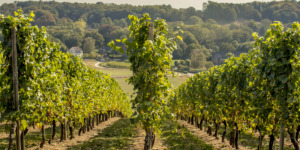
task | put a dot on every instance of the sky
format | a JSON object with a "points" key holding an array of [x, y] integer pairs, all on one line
{"points": [[174, 3]]}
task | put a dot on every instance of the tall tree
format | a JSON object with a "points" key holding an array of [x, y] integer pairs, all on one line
{"points": [[88, 45]]}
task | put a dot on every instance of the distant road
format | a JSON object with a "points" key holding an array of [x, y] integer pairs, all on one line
{"points": [[98, 65]]}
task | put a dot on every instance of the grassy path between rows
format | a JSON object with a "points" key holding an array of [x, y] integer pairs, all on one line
{"points": [[126, 134], [116, 136], [178, 137], [251, 140], [247, 141], [216, 143], [34, 137]]}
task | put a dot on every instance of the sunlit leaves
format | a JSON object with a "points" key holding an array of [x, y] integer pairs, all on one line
{"points": [[150, 63], [52, 85], [259, 88]]}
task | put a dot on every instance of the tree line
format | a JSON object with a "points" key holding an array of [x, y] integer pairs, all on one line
{"points": [[209, 34]]}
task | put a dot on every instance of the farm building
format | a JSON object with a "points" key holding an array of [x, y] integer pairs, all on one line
{"points": [[77, 51]]}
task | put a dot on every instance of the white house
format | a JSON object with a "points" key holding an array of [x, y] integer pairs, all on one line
{"points": [[77, 51]]}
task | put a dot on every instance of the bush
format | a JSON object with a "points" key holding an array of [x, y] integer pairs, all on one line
{"points": [[183, 68], [209, 64], [182, 62], [197, 70], [187, 62], [90, 56], [176, 63]]}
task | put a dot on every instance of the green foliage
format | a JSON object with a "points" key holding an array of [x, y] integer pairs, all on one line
{"points": [[198, 59], [209, 64], [71, 23], [150, 64], [279, 69], [92, 55], [176, 63], [97, 36], [254, 90], [4, 79], [187, 62], [88, 45], [52, 85]]}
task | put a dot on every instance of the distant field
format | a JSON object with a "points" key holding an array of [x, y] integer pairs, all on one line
{"points": [[122, 74], [128, 88], [176, 81], [114, 72], [116, 64]]}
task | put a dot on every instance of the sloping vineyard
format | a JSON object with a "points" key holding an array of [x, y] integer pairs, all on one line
{"points": [[53, 86], [255, 91]]}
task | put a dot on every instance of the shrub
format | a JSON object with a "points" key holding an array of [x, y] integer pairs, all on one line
{"points": [[197, 70], [176, 63]]}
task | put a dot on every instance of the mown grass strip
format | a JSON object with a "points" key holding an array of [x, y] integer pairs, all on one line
{"points": [[250, 140], [182, 139], [116, 136], [116, 64]]}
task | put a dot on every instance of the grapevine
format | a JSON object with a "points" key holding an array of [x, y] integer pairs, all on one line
{"points": [[53, 86], [255, 91]]}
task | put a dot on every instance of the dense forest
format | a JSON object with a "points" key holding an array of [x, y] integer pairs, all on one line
{"points": [[210, 35]]}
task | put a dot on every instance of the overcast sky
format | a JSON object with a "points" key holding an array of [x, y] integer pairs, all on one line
{"points": [[174, 3]]}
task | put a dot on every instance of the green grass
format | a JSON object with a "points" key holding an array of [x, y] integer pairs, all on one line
{"points": [[34, 138], [4, 143], [116, 136], [115, 72], [116, 64], [182, 139], [127, 88], [249, 140], [176, 81], [121, 74], [3, 128]]}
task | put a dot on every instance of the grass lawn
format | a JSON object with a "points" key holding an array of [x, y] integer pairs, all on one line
{"points": [[116, 64], [32, 138], [116, 136], [127, 88], [121, 74], [249, 140], [176, 81], [182, 138], [115, 72]]}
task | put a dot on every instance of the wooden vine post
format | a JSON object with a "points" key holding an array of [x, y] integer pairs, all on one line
{"points": [[151, 38], [15, 83], [281, 137]]}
